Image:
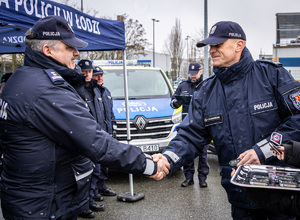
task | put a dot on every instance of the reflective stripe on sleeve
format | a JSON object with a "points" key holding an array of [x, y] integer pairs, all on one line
{"points": [[266, 150], [149, 165], [172, 156], [262, 142]]}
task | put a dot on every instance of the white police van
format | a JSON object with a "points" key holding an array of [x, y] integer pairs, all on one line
{"points": [[152, 121]]}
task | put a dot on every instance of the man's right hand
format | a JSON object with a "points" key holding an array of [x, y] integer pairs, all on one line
{"points": [[248, 157], [163, 166]]}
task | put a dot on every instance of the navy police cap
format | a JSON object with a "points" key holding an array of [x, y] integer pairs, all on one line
{"points": [[85, 64], [221, 32], [55, 28], [97, 70], [194, 68]]}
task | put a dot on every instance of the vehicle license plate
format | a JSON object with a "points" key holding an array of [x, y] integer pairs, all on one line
{"points": [[150, 148]]}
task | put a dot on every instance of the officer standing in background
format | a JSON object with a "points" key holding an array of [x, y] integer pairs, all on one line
{"points": [[48, 135], [243, 108], [187, 89], [108, 116], [108, 123], [91, 96]]}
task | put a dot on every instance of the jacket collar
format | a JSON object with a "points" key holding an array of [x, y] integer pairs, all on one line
{"points": [[36, 59], [237, 70]]}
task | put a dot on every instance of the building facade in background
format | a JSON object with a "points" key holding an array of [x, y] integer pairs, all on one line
{"points": [[287, 47]]}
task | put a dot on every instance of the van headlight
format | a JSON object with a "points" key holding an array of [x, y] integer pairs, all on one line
{"points": [[177, 118]]}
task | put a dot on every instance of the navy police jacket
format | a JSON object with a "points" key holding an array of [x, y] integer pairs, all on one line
{"points": [[47, 135], [106, 103], [100, 103], [246, 106], [186, 88]]}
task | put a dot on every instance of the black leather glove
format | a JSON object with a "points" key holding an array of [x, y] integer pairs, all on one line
{"points": [[177, 103]]}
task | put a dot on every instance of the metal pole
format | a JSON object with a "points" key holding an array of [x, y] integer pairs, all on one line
{"points": [[128, 196], [206, 58], [127, 113], [187, 51], [154, 20], [83, 54], [153, 43], [126, 96]]}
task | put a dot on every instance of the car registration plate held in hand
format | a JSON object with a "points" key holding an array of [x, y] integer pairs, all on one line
{"points": [[150, 148]]}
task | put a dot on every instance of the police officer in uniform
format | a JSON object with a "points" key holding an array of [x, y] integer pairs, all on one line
{"points": [[242, 107], [187, 89], [48, 135], [108, 123], [91, 97]]}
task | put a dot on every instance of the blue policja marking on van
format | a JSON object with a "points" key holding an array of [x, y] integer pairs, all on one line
{"points": [[150, 108], [112, 62]]}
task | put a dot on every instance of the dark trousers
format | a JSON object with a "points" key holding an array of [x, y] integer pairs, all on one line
{"points": [[203, 167], [99, 175], [257, 214]]}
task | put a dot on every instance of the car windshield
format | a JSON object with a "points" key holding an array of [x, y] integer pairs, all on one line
{"points": [[142, 83]]}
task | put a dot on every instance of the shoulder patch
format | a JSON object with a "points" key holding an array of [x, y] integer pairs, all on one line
{"points": [[276, 138], [295, 98], [54, 76], [277, 64]]}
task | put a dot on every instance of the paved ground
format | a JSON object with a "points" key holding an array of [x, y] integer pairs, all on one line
{"points": [[166, 199]]}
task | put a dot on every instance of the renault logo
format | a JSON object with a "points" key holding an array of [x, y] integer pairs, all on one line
{"points": [[140, 123]]}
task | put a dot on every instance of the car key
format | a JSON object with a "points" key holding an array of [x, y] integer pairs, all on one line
{"points": [[234, 162], [275, 148]]}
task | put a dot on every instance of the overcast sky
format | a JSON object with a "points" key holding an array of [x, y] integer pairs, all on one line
{"points": [[257, 17]]}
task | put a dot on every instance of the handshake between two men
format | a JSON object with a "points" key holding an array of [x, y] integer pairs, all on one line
{"points": [[163, 166]]}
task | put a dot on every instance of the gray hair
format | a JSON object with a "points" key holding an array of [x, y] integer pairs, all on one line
{"points": [[37, 44]]}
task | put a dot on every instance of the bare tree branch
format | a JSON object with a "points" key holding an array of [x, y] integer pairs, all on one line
{"points": [[175, 48]]}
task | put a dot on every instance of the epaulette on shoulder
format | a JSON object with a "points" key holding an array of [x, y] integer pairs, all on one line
{"points": [[54, 76], [277, 64]]}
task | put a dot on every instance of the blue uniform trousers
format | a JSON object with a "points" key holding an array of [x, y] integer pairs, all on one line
{"points": [[203, 167], [99, 176]]}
